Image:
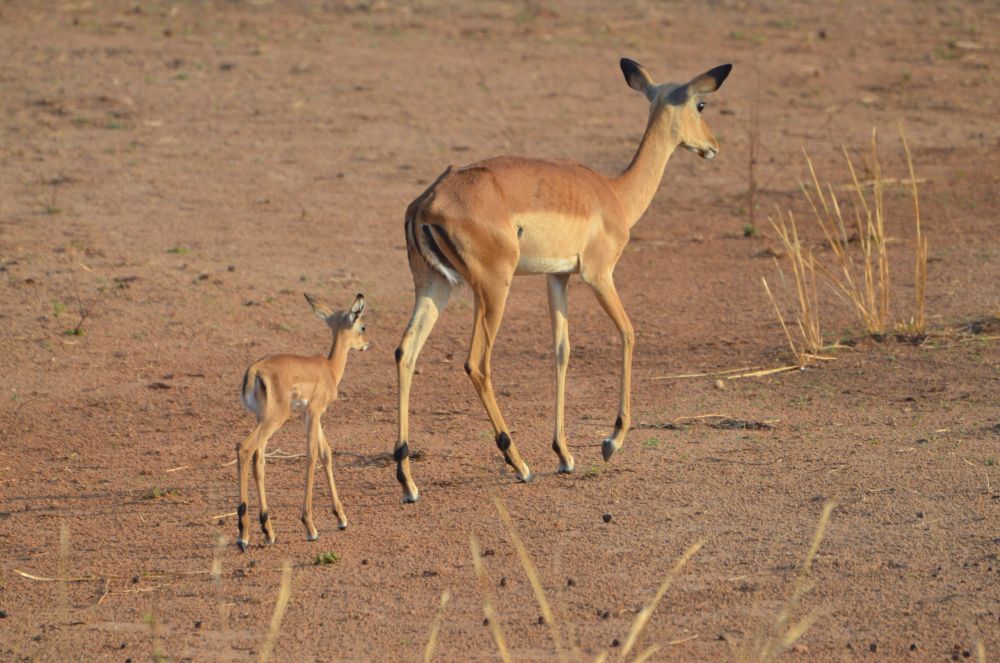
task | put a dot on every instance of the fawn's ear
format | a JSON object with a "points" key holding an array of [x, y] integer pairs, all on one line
{"points": [[711, 80], [358, 308], [637, 78], [320, 310]]}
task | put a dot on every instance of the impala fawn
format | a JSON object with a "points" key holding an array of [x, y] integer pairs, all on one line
{"points": [[272, 386]]}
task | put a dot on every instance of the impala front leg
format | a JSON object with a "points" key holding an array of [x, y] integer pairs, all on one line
{"points": [[557, 284], [258, 477], [604, 289], [312, 425], [326, 455]]}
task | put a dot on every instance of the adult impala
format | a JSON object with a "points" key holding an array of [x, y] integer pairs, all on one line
{"points": [[490, 221]]}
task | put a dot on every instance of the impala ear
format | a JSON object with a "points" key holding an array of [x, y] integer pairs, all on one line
{"points": [[711, 80], [358, 308], [320, 310], [637, 78]]}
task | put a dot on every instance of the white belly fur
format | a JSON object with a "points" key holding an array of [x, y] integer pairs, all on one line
{"points": [[529, 265]]}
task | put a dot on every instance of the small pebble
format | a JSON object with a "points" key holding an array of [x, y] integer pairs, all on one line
{"points": [[364, 562], [913, 646], [606, 517], [197, 624], [873, 647], [719, 384], [541, 620], [503, 581], [570, 582], [486, 621], [615, 643]]}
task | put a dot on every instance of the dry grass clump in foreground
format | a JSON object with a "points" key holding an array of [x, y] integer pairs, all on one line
{"points": [[858, 272], [760, 647]]}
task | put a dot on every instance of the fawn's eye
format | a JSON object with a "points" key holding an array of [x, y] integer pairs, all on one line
{"points": [[362, 329], [701, 106]]}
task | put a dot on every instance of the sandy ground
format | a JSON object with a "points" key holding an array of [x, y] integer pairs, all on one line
{"points": [[177, 174]]}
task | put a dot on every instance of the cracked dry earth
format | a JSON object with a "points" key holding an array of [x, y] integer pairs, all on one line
{"points": [[175, 175]]}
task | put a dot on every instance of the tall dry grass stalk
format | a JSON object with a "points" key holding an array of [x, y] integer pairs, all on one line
{"points": [[804, 272], [488, 611], [436, 627], [532, 573], [767, 646], [918, 323], [867, 294], [280, 606], [642, 618]]}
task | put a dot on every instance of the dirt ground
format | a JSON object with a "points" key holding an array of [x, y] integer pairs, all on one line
{"points": [[177, 174]]}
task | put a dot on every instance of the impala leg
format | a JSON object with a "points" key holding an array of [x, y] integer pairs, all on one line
{"points": [[258, 478], [604, 289], [558, 284], [431, 298], [488, 314], [326, 455], [245, 450], [313, 444]]}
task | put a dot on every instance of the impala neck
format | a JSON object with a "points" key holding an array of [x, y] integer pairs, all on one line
{"points": [[638, 184], [337, 359]]}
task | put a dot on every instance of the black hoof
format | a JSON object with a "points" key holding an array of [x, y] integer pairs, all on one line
{"points": [[342, 526], [566, 469], [313, 537], [608, 449], [242, 545], [526, 479], [411, 499]]}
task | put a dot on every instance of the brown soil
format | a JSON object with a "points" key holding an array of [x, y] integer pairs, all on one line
{"points": [[182, 173]]}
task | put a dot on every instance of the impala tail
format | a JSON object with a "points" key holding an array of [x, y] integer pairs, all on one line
{"points": [[254, 392], [427, 240]]}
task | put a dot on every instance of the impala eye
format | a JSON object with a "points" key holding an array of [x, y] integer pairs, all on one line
{"points": [[701, 106], [362, 329]]}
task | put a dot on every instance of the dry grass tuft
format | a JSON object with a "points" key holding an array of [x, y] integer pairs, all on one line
{"points": [[858, 272], [767, 646]]}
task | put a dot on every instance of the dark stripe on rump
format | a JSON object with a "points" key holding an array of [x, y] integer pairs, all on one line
{"points": [[434, 248]]}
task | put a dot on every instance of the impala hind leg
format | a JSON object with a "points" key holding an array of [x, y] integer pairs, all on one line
{"points": [[490, 303], [431, 298], [255, 443], [326, 455], [557, 285], [604, 289]]}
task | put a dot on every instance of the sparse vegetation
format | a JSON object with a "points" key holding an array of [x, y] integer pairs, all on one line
{"points": [[859, 270], [328, 557], [155, 493]]}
